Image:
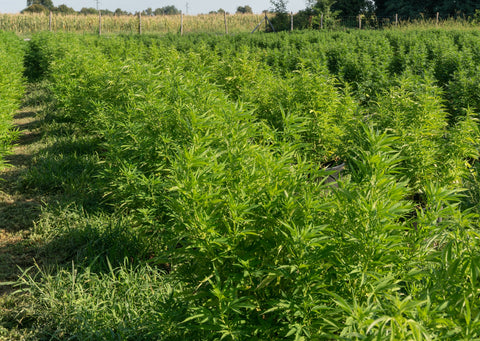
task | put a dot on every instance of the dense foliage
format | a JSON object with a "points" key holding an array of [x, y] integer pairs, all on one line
{"points": [[214, 158], [412, 8], [11, 88], [405, 8], [372, 13]]}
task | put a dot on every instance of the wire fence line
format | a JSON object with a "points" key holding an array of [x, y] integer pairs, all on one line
{"points": [[373, 22], [207, 23]]}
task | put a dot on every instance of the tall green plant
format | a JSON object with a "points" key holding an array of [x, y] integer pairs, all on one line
{"points": [[213, 152], [11, 89]]}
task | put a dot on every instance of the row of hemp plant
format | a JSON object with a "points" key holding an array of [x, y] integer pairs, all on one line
{"points": [[11, 88], [218, 162]]}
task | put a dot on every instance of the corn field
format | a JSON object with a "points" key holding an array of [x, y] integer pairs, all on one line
{"points": [[212, 23]]}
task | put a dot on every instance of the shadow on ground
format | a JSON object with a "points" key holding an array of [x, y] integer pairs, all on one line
{"points": [[19, 209]]}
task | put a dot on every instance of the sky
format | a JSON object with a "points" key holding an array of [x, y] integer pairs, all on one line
{"points": [[194, 6]]}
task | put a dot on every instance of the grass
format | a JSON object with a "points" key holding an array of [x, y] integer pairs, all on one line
{"points": [[22, 206], [18, 208], [49, 217]]}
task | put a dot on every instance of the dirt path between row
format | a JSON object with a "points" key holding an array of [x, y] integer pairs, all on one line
{"points": [[19, 208]]}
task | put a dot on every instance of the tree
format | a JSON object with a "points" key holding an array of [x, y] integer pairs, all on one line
{"points": [[410, 8], [119, 11], [279, 6], [106, 12], [453, 8], [380, 8], [89, 10], [48, 4], [351, 8], [220, 11], [427, 8], [35, 8], [322, 6], [244, 9], [64, 9], [167, 10], [320, 12], [281, 20]]}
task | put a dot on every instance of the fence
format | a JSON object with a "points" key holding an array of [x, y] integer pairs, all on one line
{"points": [[208, 23], [211, 23], [373, 22]]}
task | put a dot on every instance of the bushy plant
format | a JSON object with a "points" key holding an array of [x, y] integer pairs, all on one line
{"points": [[11, 89], [213, 157]]}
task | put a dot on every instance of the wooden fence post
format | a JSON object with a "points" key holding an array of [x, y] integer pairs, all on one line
{"points": [[50, 21], [225, 21], [181, 23], [359, 21], [438, 14], [100, 23], [139, 22], [396, 19], [321, 21], [291, 21]]}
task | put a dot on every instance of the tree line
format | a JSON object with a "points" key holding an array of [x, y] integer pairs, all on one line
{"points": [[327, 11], [389, 8], [39, 6]]}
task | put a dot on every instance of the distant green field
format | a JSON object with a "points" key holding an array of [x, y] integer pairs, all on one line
{"points": [[203, 201]]}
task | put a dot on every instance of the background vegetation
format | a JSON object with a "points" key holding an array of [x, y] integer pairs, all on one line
{"points": [[372, 13], [27, 24], [318, 14]]}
